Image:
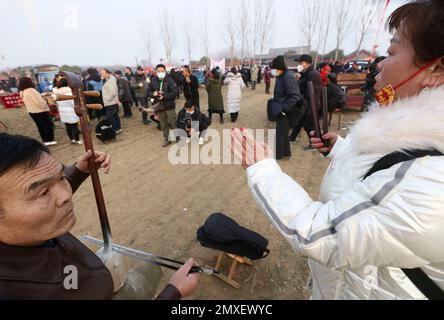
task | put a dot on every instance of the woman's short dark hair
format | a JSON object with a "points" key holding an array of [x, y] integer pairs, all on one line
{"points": [[422, 22], [215, 74], [234, 70], [25, 83], [62, 82]]}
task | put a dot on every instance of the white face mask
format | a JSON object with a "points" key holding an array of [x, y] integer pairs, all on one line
{"points": [[190, 112], [274, 72], [300, 68], [161, 75]]}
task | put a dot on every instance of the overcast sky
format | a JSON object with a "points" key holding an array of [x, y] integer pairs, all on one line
{"points": [[106, 32]]}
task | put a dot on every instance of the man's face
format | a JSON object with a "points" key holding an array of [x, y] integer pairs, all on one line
{"points": [[35, 204], [104, 75], [186, 72], [140, 72], [398, 66], [127, 71]]}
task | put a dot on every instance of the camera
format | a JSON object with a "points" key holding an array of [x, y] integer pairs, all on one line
{"points": [[187, 121]]}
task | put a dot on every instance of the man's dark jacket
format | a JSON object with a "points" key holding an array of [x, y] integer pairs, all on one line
{"points": [[170, 92], [38, 273], [191, 90], [197, 116], [287, 99], [311, 75]]}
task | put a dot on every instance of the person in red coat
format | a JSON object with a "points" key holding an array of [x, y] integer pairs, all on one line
{"points": [[324, 74], [267, 77]]}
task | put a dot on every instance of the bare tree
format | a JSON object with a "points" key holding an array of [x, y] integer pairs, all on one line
{"points": [[244, 27], [147, 42], [325, 29], [267, 25], [365, 20], [343, 21], [205, 36], [168, 35], [230, 30], [257, 23], [309, 20], [188, 35]]}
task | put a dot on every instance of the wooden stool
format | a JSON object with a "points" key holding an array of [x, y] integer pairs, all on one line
{"points": [[236, 260]]}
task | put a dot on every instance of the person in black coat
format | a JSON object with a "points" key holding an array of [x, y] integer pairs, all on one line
{"points": [[190, 114], [163, 91], [125, 95], [309, 73], [333, 93], [287, 106], [190, 86]]}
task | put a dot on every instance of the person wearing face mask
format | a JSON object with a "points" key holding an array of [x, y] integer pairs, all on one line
{"points": [[308, 73], [163, 91], [189, 114], [287, 106], [376, 232]]}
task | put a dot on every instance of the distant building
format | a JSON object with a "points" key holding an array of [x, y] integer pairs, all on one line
{"points": [[289, 54], [361, 55]]}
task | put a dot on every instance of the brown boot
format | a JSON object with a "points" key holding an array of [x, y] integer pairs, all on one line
{"points": [[166, 144]]}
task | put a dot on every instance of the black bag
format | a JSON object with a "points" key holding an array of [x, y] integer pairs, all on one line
{"points": [[224, 234], [418, 277], [105, 131]]}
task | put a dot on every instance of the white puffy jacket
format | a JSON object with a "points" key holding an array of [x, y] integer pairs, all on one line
{"points": [[359, 234], [235, 86], [66, 108]]}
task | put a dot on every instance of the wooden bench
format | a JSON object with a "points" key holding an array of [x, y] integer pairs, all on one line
{"points": [[352, 83]]}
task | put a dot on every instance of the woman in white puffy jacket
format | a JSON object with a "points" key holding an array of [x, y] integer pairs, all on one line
{"points": [[67, 113], [381, 236], [235, 85]]}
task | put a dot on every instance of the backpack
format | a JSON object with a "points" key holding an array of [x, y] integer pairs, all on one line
{"points": [[224, 234], [418, 277], [105, 131]]}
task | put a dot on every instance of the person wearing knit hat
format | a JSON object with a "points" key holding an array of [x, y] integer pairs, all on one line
{"points": [[286, 106], [278, 64]]}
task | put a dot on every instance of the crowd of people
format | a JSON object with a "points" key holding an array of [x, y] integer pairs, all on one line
{"points": [[377, 229]]}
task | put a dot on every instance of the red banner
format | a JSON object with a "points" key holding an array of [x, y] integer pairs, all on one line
{"points": [[375, 46]]}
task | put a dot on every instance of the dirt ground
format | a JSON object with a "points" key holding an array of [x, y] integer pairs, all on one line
{"points": [[157, 207]]}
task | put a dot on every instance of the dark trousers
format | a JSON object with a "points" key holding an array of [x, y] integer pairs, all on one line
{"points": [[221, 115], [168, 121], [127, 108], [143, 102], [253, 85], [112, 115], [234, 116], [73, 131], [267, 88], [44, 125], [283, 148], [133, 95], [306, 123]]}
